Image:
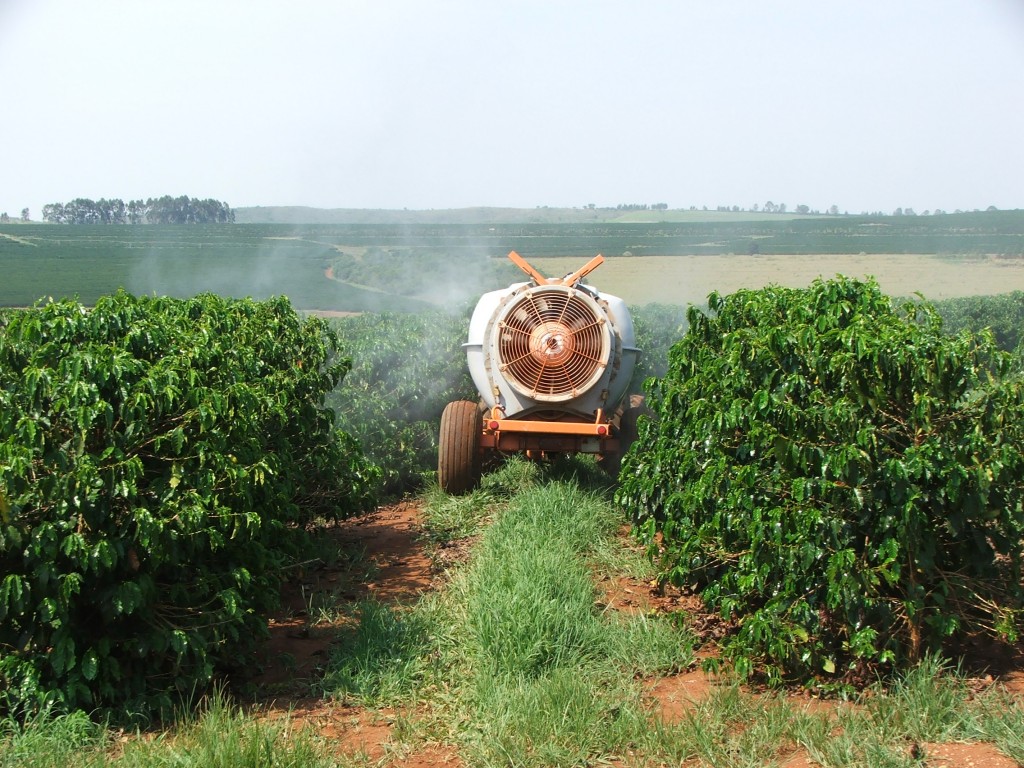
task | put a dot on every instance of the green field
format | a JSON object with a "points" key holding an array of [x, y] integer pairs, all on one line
{"points": [[261, 260], [89, 261]]}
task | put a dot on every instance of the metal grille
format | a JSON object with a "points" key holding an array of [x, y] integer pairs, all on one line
{"points": [[552, 344]]}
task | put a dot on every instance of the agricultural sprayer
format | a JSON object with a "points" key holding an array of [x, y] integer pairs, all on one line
{"points": [[552, 359]]}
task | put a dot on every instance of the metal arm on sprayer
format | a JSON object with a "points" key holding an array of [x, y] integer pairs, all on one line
{"points": [[570, 280]]}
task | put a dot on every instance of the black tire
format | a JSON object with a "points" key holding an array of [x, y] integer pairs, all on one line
{"points": [[458, 450]]}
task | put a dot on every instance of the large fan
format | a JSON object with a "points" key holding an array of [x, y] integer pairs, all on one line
{"points": [[553, 343]]}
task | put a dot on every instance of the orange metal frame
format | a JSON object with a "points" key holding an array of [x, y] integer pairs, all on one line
{"points": [[572, 279], [530, 435], [598, 428]]}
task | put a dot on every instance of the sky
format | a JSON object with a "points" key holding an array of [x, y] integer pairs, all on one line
{"points": [[868, 105]]}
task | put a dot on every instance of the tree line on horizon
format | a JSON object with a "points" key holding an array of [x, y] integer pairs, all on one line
{"points": [[160, 210]]}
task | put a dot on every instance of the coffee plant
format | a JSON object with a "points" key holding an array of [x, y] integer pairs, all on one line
{"points": [[1002, 314], [837, 476], [406, 369], [159, 461]]}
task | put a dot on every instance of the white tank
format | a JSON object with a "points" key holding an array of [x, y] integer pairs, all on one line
{"points": [[551, 347]]}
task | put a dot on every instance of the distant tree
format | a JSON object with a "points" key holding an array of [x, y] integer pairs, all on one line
{"points": [[803, 208], [163, 210], [25, 215], [4, 218], [782, 208], [833, 210], [770, 207], [112, 211], [898, 212], [991, 208], [136, 211], [53, 213], [81, 210]]}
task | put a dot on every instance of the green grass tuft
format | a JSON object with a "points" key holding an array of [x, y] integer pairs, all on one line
{"points": [[218, 736], [381, 659]]}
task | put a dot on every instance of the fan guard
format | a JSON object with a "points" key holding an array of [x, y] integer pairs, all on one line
{"points": [[553, 343]]}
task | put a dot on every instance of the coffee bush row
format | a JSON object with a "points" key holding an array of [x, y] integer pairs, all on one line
{"points": [[159, 462], [837, 476]]}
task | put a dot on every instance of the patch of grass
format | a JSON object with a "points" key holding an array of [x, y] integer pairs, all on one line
{"points": [[218, 736], [382, 658], [225, 737], [516, 661], [729, 727], [926, 704], [1000, 720], [47, 739], [646, 644], [546, 678], [931, 703], [565, 717], [529, 610], [512, 476], [449, 518]]}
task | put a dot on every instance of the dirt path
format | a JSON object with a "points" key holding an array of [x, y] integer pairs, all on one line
{"points": [[330, 275], [392, 566], [20, 240], [391, 540]]}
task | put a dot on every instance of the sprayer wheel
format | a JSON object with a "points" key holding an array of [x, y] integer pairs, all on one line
{"points": [[627, 433], [458, 455]]}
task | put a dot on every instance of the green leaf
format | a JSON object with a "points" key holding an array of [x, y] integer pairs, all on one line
{"points": [[90, 663]]}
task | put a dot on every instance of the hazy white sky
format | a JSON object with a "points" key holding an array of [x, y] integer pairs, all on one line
{"points": [[868, 105]]}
